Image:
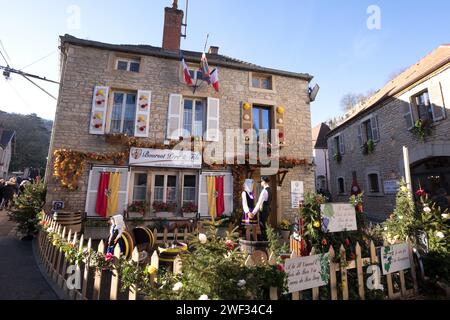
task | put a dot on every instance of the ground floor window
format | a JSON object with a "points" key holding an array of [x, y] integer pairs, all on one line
{"points": [[341, 185], [140, 187], [374, 186]]}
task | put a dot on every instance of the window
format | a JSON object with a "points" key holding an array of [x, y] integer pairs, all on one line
{"points": [[196, 75], [189, 187], [127, 64], [423, 106], [165, 189], [261, 120], [262, 82], [338, 145], [341, 185], [194, 118], [123, 113], [374, 183], [368, 130], [140, 187]]}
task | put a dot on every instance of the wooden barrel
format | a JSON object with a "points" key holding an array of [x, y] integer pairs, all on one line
{"points": [[168, 255], [71, 220], [144, 238], [126, 244], [252, 246]]}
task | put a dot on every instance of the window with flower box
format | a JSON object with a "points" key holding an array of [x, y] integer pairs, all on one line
{"points": [[140, 187]]}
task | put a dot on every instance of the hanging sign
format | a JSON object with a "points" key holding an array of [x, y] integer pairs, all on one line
{"points": [[391, 186], [307, 272], [395, 258], [165, 158], [296, 193], [338, 217]]}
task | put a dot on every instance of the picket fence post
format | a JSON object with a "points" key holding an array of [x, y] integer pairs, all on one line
{"points": [[315, 291], [359, 270], [333, 282], [132, 292], [98, 274], [390, 286], [60, 257], [64, 268], [295, 295], [86, 270], [115, 275], [343, 269]]}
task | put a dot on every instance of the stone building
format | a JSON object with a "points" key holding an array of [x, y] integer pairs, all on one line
{"points": [[321, 157], [366, 148], [132, 99]]}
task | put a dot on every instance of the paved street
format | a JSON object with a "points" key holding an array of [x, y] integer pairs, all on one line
{"points": [[20, 278]]}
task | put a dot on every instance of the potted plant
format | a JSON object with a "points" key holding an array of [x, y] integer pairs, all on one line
{"points": [[163, 209], [357, 201], [368, 147], [95, 228], [285, 227], [137, 209], [422, 129], [338, 157], [189, 210]]}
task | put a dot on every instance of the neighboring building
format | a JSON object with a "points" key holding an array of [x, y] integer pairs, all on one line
{"points": [[320, 154], [102, 86], [7, 142], [422, 92]]}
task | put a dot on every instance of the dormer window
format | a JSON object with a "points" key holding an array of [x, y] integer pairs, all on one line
{"points": [[127, 64]]}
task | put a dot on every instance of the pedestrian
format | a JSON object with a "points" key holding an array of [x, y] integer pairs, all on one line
{"points": [[9, 191]]}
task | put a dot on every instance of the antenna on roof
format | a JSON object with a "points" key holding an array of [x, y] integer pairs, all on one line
{"points": [[185, 20]]}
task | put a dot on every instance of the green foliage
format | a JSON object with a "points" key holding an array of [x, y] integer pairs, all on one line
{"points": [[32, 139], [422, 129], [27, 207]]}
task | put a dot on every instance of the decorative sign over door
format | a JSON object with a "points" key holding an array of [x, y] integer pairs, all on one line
{"points": [[296, 193], [307, 272], [165, 158], [395, 258], [337, 217]]}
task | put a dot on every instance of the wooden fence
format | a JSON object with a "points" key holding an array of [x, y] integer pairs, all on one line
{"points": [[93, 285]]}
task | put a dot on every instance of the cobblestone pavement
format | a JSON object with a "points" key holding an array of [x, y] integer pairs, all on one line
{"points": [[20, 277]]}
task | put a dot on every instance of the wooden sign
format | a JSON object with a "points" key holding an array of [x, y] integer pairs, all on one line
{"points": [[338, 217], [395, 258], [296, 193], [307, 272]]}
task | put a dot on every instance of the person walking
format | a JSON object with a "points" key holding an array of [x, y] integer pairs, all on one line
{"points": [[263, 206], [9, 191], [2, 189]]}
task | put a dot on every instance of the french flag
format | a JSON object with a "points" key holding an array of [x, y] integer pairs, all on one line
{"points": [[187, 75], [215, 79]]}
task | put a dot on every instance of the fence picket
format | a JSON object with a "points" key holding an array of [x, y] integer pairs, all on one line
{"points": [[86, 270], [98, 274], [132, 292], [165, 235], [115, 276], [333, 282], [343, 270], [177, 266], [60, 257], [359, 270], [390, 285]]}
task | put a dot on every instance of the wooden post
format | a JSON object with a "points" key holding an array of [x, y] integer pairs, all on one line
{"points": [[132, 293], [60, 257], [165, 235], [343, 269], [333, 282], [53, 270], [407, 170], [86, 270], [98, 274], [115, 276], [413, 268], [74, 293], [66, 288], [64, 267], [155, 263], [359, 270], [389, 282], [315, 291], [273, 293], [155, 234], [295, 295]]}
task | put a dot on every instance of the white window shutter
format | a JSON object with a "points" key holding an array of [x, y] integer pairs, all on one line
{"points": [[331, 144], [212, 122], [360, 139], [408, 114], [143, 105], [174, 116], [202, 196], [341, 144], [228, 194], [437, 101], [98, 111], [375, 130]]}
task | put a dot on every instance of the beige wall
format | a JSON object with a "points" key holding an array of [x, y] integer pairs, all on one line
{"points": [[88, 67]]}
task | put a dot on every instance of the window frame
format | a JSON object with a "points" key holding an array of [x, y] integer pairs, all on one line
{"points": [[370, 192], [196, 187], [269, 109], [414, 98], [132, 185], [111, 107], [194, 109], [256, 75], [129, 61]]}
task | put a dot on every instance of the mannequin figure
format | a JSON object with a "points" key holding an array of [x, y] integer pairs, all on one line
{"points": [[248, 203], [115, 232]]}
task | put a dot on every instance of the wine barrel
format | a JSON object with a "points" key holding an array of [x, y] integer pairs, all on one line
{"points": [[168, 255], [249, 247], [144, 238], [126, 244], [71, 220]]}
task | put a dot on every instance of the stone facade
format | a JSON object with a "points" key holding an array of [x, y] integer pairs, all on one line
{"points": [[394, 132], [85, 67]]}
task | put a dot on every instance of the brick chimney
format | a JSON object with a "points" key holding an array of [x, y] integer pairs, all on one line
{"points": [[213, 50], [172, 28]]}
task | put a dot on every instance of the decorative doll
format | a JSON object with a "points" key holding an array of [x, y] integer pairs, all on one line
{"points": [[117, 228], [248, 203]]}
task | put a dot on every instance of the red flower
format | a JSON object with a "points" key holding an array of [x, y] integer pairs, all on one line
{"points": [[108, 256], [347, 242], [230, 244], [280, 267], [324, 242], [141, 128], [421, 193]]}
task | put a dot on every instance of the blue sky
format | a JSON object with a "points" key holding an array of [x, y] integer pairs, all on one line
{"points": [[328, 39]]}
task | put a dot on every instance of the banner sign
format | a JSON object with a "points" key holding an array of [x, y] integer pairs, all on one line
{"points": [[395, 258], [338, 217], [307, 272], [296, 193], [165, 158]]}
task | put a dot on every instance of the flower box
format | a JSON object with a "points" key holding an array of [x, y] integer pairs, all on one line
{"points": [[134, 215], [190, 215], [164, 214]]}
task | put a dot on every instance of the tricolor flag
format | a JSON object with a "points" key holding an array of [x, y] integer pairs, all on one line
{"points": [[187, 75], [215, 79], [205, 68]]}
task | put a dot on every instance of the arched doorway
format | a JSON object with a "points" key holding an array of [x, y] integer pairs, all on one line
{"points": [[431, 174]]}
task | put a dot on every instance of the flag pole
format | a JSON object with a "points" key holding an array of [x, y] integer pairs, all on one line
{"points": [[206, 43]]}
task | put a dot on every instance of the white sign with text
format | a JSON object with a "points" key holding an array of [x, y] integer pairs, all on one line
{"points": [[165, 158], [307, 272], [338, 217], [395, 258], [296, 193]]}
